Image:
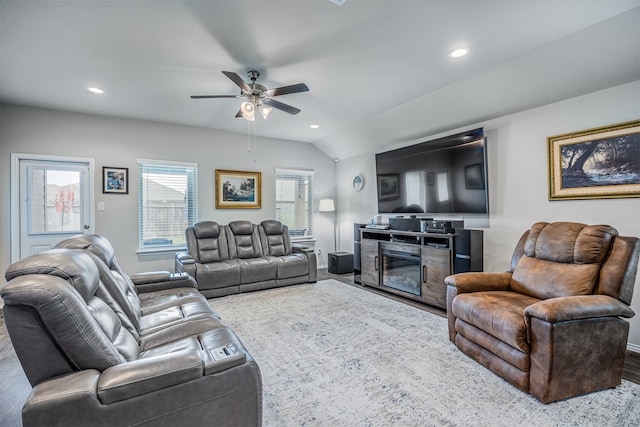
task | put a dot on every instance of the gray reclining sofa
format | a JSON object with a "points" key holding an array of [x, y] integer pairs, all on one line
{"points": [[103, 349], [241, 257]]}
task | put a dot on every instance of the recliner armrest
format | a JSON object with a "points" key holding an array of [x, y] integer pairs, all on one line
{"points": [[77, 389], [301, 248], [479, 281], [578, 307], [184, 258], [185, 263], [150, 277], [143, 376], [161, 280]]}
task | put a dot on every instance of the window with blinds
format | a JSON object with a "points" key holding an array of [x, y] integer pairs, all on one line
{"points": [[167, 204], [294, 201]]}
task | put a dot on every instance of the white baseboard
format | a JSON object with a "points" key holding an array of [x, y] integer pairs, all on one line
{"points": [[633, 347]]}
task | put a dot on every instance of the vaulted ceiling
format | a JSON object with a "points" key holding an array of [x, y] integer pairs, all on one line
{"points": [[378, 70]]}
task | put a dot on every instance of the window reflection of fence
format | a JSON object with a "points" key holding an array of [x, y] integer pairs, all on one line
{"points": [[164, 221], [68, 220]]}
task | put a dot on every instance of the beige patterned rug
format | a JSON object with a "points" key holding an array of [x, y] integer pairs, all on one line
{"points": [[335, 355]]}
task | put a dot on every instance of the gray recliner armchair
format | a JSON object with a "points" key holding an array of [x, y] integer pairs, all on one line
{"points": [[94, 358]]}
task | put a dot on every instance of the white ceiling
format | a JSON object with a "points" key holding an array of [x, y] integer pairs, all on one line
{"points": [[378, 70]]}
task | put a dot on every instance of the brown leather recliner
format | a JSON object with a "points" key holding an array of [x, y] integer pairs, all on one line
{"points": [[552, 326]]}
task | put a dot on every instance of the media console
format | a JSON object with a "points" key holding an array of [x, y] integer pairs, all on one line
{"points": [[414, 264]]}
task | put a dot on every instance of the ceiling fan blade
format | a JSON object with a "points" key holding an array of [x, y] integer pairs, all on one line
{"points": [[284, 90], [239, 113], [213, 96], [281, 106], [237, 80]]}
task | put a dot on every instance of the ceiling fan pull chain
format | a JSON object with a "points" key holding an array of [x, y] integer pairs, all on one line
{"points": [[254, 142], [248, 136]]}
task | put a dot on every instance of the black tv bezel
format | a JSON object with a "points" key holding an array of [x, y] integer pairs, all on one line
{"points": [[471, 135]]}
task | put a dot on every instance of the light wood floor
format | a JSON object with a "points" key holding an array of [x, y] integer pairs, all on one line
{"points": [[14, 387]]}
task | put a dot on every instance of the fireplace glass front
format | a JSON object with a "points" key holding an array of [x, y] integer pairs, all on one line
{"points": [[401, 270]]}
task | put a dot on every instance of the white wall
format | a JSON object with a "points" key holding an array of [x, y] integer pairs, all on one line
{"points": [[120, 142], [518, 178]]}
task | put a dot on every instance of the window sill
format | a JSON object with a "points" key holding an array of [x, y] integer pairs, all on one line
{"points": [[297, 239], [161, 250]]}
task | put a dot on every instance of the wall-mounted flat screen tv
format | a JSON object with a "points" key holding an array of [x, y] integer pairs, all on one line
{"points": [[442, 176]]}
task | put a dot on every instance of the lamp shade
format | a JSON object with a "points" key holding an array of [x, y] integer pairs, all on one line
{"points": [[327, 205], [265, 111], [248, 111]]}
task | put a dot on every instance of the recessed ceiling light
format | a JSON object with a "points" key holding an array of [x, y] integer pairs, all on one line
{"points": [[314, 126], [95, 90], [459, 52]]}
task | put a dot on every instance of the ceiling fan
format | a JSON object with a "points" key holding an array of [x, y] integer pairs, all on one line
{"points": [[258, 97]]}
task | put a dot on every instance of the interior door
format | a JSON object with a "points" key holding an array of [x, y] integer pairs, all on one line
{"points": [[55, 200]]}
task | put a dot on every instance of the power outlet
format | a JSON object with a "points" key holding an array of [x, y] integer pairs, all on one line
{"points": [[319, 253]]}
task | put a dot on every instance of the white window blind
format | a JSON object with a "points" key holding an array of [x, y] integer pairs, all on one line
{"points": [[294, 201], [168, 202]]}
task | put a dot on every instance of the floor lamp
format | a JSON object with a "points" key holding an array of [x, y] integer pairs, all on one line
{"points": [[328, 205]]}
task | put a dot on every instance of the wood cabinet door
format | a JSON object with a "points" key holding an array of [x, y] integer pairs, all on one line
{"points": [[369, 260], [436, 265]]}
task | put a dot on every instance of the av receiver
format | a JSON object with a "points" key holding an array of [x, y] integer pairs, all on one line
{"points": [[434, 226]]}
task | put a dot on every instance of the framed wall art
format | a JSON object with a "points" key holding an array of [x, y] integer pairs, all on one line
{"points": [[597, 163], [115, 180], [238, 189]]}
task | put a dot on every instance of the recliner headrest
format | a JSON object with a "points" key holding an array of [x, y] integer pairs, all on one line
{"points": [[271, 227], [569, 242], [72, 265], [241, 227], [94, 243], [206, 230]]}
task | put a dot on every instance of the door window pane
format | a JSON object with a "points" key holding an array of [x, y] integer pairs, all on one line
{"points": [[54, 201]]}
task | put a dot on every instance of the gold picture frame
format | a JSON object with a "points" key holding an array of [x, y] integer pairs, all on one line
{"points": [[238, 189], [598, 163]]}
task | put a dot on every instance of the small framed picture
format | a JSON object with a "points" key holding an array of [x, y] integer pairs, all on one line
{"points": [[238, 189], [115, 180]]}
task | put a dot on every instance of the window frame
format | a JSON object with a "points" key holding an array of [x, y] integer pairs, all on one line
{"points": [[190, 171], [280, 174]]}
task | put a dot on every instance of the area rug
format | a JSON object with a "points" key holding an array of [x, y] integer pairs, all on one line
{"points": [[333, 354]]}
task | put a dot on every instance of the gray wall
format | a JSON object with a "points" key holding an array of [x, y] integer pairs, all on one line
{"points": [[120, 142], [518, 174], [518, 178]]}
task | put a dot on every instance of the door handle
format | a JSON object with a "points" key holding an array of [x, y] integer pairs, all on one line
{"points": [[86, 226], [424, 274], [375, 263]]}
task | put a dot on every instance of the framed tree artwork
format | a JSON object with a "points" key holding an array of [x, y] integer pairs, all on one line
{"points": [[596, 163], [238, 189]]}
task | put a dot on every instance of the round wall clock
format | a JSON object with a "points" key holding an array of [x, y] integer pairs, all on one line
{"points": [[358, 183]]}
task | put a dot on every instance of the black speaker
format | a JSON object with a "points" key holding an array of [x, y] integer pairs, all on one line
{"points": [[356, 247], [467, 251], [340, 262]]}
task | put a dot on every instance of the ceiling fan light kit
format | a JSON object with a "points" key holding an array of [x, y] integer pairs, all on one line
{"points": [[258, 97], [265, 111], [248, 111]]}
